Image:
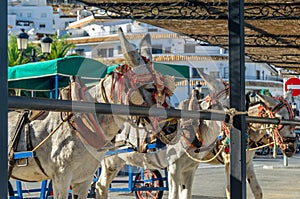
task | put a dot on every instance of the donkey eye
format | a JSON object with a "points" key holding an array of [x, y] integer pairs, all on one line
{"points": [[150, 90]]}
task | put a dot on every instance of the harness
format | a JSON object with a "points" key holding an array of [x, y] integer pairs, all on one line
{"points": [[85, 125], [223, 142], [25, 117]]}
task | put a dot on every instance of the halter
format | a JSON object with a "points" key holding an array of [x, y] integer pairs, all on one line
{"points": [[212, 100], [265, 111], [125, 72], [129, 92]]}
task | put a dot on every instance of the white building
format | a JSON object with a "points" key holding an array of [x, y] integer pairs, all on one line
{"points": [[36, 18], [169, 47]]}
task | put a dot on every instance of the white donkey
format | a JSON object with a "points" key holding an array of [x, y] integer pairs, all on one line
{"points": [[182, 168], [69, 146], [259, 135], [193, 134]]}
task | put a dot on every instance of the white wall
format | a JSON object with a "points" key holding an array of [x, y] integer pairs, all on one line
{"points": [[40, 15]]}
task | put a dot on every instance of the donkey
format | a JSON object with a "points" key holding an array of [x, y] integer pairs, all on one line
{"points": [[182, 169], [258, 135], [68, 147], [191, 133]]}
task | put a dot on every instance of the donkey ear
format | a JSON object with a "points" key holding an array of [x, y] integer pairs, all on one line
{"points": [[267, 100], [130, 53], [145, 48], [288, 96], [213, 84]]}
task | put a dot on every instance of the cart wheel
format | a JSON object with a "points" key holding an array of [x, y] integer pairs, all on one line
{"points": [[153, 194], [10, 189]]}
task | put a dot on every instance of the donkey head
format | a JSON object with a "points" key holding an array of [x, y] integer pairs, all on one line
{"points": [[200, 134], [136, 82], [283, 135]]}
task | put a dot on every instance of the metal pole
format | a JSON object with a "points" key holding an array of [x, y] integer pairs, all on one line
{"points": [[237, 98], [285, 159], [3, 100], [27, 103]]}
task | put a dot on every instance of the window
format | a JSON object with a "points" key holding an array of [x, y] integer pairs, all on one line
{"points": [[168, 49], [119, 50], [29, 14], [189, 48], [152, 30], [129, 28], [157, 49], [195, 72], [226, 72], [102, 52], [113, 30], [110, 52], [79, 52], [23, 23], [257, 74], [42, 25]]}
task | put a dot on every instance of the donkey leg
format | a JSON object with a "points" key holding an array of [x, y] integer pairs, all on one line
{"points": [[80, 190], [252, 180], [174, 181], [109, 169], [60, 187], [227, 172], [187, 179]]}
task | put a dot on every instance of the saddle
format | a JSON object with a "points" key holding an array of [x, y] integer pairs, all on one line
{"points": [[25, 117]]}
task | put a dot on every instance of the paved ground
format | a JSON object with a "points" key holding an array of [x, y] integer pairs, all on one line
{"points": [[277, 181]]}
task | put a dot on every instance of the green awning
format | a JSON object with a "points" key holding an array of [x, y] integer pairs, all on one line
{"points": [[180, 72], [40, 76]]}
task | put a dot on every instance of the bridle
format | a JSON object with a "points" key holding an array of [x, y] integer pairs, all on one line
{"points": [[126, 87], [268, 112], [212, 101]]}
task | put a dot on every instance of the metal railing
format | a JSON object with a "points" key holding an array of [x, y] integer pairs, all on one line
{"points": [[88, 107]]}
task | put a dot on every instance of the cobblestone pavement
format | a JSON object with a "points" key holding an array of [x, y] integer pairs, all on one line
{"points": [[277, 181]]}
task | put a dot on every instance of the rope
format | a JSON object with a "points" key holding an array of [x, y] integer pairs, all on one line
{"points": [[262, 146], [205, 161]]}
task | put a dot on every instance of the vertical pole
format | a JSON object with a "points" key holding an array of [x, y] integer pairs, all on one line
{"points": [[56, 86], [237, 98], [285, 161], [19, 189], [33, 55], [3, 101]]}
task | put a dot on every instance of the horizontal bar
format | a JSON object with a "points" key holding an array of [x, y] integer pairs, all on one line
{"points": [[28, 103], [293, 86], [102, 108], [23, 154], [119, 189], [118, 151]]}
